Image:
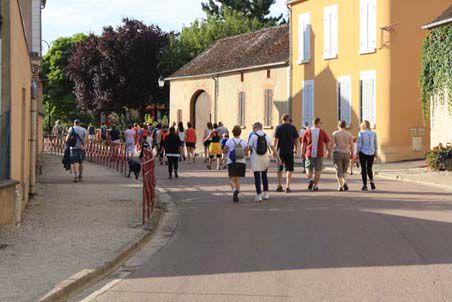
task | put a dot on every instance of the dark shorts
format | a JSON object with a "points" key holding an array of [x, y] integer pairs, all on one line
{"points": [[236, 170], [207, 143], [77, 156], [287, 162], [190, 145], [217, 156]]}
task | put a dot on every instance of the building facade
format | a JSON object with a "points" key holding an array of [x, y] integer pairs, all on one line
{"points": [[360, 60], [20, 103], [440, 112], [239, 81]]}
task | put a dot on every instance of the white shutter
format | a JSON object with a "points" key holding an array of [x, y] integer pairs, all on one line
{"points": [[345, 103], [326, 33], [368, 101], [362, 25], [372, 27], [300, 38], [307, 37], [308, 102], [368, 26], [304, 38], [334, 31]]}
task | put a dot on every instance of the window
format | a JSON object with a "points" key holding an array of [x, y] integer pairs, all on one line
{"points": [[304, 38], [179, 116], [344, 103], [241, 118], [268, 112], [308, 102], [368, 26], [330, 48], [368, 96]]}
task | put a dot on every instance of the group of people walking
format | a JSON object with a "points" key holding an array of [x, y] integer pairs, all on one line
{"points": [[313, 144]]}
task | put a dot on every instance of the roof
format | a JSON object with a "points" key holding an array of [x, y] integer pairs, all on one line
{"points": [[445, 18], [264, 48]]}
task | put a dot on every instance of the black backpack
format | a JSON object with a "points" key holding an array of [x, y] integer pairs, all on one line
{"points": [[261, 147], [72, 141]]}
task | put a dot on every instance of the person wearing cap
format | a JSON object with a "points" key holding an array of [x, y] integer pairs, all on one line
{"points": [[77, 151]]}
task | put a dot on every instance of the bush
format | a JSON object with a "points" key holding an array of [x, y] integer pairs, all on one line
{"points": [[440, 158]]}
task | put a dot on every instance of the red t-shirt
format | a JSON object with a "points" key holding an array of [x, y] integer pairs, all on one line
{"points": [[309, 141], [190, 135]]}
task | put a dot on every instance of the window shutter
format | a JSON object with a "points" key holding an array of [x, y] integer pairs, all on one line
{"points": [[363, 25], [334, 30], [301, 40], [344, 94], [326, 33], [308, 102], [372, 27], [307, 37], [368, 98]]}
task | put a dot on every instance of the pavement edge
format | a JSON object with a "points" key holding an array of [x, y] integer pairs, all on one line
{"points": [[88, 277]]}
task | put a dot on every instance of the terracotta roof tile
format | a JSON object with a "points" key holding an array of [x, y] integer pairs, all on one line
{"points": [[258, 48]]}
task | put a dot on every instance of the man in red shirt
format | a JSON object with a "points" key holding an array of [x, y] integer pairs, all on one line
{"points": [[314, 142]]}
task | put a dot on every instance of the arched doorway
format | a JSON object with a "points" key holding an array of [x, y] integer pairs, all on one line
{"points": [[201, 114]]}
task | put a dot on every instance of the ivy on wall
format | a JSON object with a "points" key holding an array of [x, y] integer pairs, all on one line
{"points": [[436, 76]]}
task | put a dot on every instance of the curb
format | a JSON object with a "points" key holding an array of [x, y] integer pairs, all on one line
{"points": [[87, 277], [399, 177]]}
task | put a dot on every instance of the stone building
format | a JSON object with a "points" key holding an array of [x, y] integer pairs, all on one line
{"points": [[440, 113], [20, 104], [238, 81]]}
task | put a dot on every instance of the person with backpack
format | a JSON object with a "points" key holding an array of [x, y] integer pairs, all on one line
{"points": [[103, 133], [259, 145], [286, 142], [76, 140], [236, 151], [92, 133], [172, 144]]}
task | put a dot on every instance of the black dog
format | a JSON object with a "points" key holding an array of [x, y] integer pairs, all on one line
{"points": [[135, 167]]}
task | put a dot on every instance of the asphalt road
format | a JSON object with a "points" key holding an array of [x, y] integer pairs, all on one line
{"points": [[394, 244]]}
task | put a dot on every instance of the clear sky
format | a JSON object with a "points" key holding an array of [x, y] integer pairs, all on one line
{"points": [[67, 17]]}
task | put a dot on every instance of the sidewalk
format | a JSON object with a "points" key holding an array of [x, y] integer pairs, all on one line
{"points": [[414, 171], [67, 228]]}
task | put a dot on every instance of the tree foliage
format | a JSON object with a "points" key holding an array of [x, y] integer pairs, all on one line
{"points": [[118, 68], [259, 9], [436, 75], [201, 34], [58, 94]]}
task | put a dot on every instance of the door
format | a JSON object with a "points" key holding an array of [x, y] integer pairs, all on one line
{"points": [[202, 115]]}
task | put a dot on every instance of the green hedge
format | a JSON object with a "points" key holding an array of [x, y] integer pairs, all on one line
{"points": [[436, 76]]}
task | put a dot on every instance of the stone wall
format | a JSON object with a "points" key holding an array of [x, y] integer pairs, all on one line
{"points": [[441, 121]]}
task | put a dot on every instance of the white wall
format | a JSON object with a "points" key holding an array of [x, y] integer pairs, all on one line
{"points": [[441, 121]]}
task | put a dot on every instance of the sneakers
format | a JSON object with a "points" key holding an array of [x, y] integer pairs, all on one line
{"points": [[258, 198], [235, 196], [279, 189], [340, 189], [316, 188], [75, 179], [372, 186], [288, 190], [364, 188], [176, 174], [311, 185], [209, 167], [266, 196], [170, 177], [345, 186]]}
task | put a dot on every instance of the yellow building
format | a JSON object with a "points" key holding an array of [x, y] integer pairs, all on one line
{"points": [[19, 104], [360, 60], [238, 81]]}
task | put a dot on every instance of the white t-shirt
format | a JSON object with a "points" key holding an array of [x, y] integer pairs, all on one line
{"points": [[315, 140], [130, 136], [231, 147], [182, 136], [253, 140]]}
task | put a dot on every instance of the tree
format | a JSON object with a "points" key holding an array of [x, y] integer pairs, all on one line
{"points": [[119, 68], [201, 35], [259, 9], [58, 94]]}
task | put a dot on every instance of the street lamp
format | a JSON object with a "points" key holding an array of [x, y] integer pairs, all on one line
{"points": [[161, 82]]}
